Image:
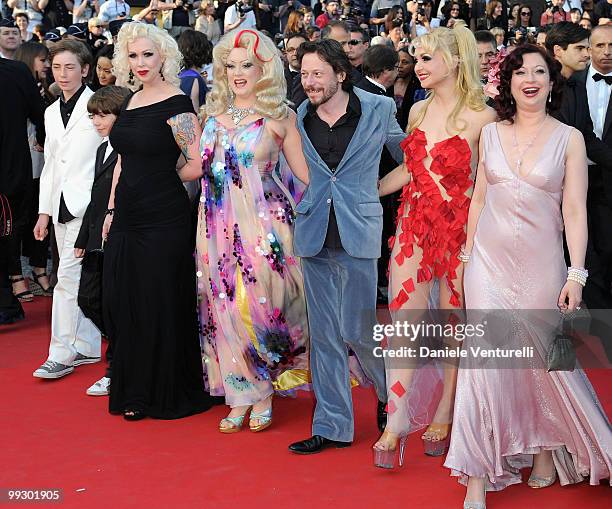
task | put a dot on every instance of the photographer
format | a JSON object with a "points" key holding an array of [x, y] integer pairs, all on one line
{"points": [[379, 11], [554, 13], [95, 34], [421, 22], [349, 11], [207, 22], [395, 13], [179, 16], [282, 10], [331, 13], [84, 10], [112, 10], [239, 15]]}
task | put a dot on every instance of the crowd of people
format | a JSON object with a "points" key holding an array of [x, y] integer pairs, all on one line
{"points": [[253, 179]]}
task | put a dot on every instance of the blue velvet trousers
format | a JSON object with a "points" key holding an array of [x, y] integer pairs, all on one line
{"points": [[341, 303]]}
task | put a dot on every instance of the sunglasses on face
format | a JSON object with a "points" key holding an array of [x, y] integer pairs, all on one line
{"points": [[354, 42], [525, 14]]}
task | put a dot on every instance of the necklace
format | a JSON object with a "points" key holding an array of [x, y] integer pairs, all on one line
{"points": [[239, 114], [515, 143]]}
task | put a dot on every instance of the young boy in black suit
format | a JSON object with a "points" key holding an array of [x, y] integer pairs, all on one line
{"points": [[104, 108]]}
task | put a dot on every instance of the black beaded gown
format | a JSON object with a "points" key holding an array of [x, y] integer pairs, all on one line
{"points": [[149, 274]]}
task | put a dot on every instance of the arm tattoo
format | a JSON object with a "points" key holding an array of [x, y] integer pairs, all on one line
{"points": [[183, 128]]}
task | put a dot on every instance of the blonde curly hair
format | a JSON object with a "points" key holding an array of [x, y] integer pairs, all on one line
{"points": [[167, 46], [458, 47], [270, 90]]}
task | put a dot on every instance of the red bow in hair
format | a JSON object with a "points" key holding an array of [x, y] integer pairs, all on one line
{"points": [[239, 36]]}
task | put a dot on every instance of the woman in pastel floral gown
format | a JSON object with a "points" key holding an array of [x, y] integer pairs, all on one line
{"points": [[253, 325], [531, 185]]}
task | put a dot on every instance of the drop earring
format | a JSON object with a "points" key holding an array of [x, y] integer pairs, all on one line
{"points": [[131, 78], [161, 73], [550, 96]]}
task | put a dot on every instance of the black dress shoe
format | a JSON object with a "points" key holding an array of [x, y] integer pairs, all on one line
{"points": [[381, 416], [315, 444]]}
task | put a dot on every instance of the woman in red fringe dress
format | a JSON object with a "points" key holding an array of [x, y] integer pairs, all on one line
{"points": [[437, 179]]}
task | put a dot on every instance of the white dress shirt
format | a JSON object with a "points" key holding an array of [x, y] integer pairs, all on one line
{"points": [[108, 151], [598, 93]]}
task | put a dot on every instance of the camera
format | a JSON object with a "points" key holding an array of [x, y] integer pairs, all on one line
{"points": [[243, 9], [421, 7], [549, 4]]}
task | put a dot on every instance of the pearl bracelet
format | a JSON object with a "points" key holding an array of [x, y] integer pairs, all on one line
{"points": [[577, 274], [463, 256]]}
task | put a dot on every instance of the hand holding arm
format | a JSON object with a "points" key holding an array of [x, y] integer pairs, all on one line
{"points": [[394, 181]]}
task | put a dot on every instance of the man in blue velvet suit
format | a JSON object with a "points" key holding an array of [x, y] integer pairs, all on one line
{"points": [[338, 233]]}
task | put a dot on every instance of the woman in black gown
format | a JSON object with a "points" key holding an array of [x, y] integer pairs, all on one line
{"points": [[149, 274]]}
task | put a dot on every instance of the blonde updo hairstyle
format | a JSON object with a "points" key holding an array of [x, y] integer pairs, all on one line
{"points": [[270, 90], [168, 48], [460, 51]]}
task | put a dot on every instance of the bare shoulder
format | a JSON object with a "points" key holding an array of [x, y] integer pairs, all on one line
{"points": [[416, 109], [483, 117], [281, 126], [576, 139]]}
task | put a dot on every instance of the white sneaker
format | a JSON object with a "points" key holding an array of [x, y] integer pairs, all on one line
{"points": [[100, 388]]}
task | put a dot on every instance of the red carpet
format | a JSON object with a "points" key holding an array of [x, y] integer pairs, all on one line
{"points": [[54, 436]]}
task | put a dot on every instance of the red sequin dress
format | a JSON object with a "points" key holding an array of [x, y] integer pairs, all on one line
{"points": [[432, 218]]}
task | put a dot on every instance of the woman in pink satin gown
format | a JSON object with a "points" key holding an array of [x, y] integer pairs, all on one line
{"points": [[505, 419]]}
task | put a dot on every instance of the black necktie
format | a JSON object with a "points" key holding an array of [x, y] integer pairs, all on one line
{"points": [[598, 77]]}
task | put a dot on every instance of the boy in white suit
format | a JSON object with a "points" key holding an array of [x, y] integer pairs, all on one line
{"points": [[65, 189]]}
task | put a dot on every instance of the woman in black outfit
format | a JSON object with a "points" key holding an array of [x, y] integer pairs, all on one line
{"points": [[149, 272]]}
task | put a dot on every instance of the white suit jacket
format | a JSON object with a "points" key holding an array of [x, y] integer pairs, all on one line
{"points": [[70, 156]]}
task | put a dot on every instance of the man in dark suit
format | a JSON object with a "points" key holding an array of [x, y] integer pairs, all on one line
{"points": [[292, 70], [19, 101], [598, 84], [380, 70], [568, 43]]}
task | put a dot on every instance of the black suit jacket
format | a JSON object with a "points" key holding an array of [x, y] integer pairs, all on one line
{"points": [[19, 102], [90, 234], [574, 111], [290, 78], [602, 148], [365, 84]]}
